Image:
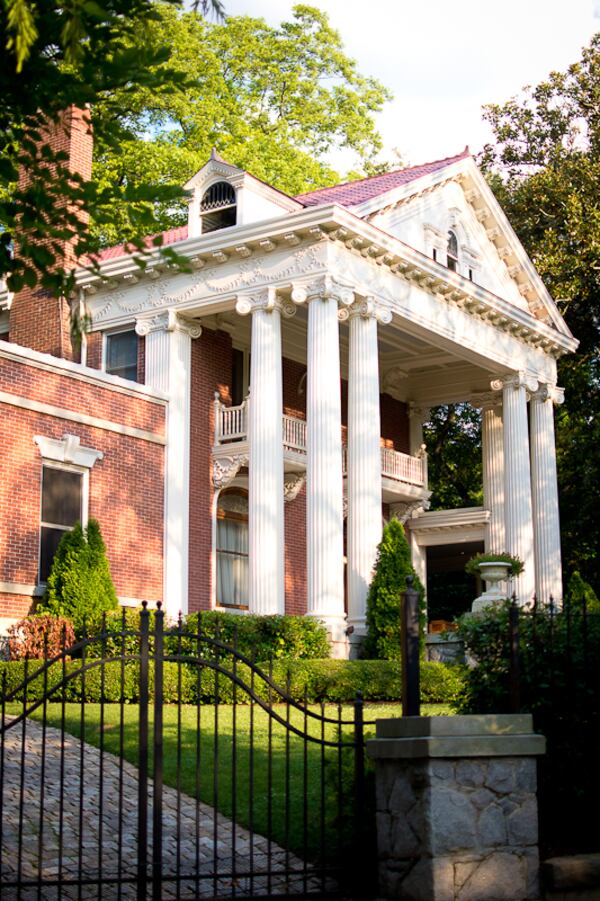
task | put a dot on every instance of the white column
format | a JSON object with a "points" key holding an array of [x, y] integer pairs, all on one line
{"points": [[266, 592], [324, 531], [492, 440], [517, 481], [168, 368], [364, 456], [544, 494], [417, 415]]}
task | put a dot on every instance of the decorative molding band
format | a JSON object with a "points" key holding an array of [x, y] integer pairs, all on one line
{"points": [[548, 392], [225, 469], [265, 300], [168, 321], [67, 450], [14, 400], [324, 288], [293, 483], [366, 308]]}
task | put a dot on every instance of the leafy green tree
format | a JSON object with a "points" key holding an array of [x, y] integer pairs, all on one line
{"points": [[392, 566], [80, 586], [452, 435], [273, 99]]}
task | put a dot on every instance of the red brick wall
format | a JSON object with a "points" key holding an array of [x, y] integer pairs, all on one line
{"points": [[295, 555], [211, 371], [394, 423], [125, 487]]}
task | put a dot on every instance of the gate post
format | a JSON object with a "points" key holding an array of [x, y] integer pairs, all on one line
{"points": [[157, 797], [142, 879], [457, 808]]}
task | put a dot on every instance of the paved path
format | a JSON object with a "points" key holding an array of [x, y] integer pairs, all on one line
{"points": [[40, 835]]}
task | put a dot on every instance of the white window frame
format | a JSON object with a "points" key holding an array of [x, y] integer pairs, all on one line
{"points": [[109, 334], [85, 496]]}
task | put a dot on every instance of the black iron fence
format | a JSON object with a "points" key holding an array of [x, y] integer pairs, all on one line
{"points": [[111, 787]]}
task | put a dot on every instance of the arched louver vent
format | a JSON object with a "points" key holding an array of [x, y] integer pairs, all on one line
{"points": [[218, 207]]}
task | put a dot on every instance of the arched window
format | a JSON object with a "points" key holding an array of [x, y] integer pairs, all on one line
{"points": [[218, 207], [452, 252], [232, 548]]}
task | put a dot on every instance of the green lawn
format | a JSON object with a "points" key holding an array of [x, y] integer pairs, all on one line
{"points": [[269, 788]]}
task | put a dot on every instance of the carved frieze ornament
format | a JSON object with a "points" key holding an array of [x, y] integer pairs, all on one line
{"points": [[292, 485], [408, 510], [168, 321], [325, 288], [549, 393], [366, 308], [267, 300], [225, 469]]}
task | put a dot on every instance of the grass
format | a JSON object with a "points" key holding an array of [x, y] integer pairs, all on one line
{"points": [[260, 790]]}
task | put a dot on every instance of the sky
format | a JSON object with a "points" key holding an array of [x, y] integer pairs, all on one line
{"points": [[444, 59]]}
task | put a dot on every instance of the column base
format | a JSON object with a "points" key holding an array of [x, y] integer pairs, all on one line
{"points": [[357, 632], [336, 632]]}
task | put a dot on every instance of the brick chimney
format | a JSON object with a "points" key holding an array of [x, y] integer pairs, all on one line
{"points": [[37, 319]]}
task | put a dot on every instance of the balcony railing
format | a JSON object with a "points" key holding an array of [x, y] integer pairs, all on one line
{"points": [[231, 425]]}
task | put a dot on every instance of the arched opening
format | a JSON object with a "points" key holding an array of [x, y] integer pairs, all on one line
{"points": [[232, 548], [218, 207], [452, 252]]}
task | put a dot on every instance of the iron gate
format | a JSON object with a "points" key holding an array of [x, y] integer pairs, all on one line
{"points": [[124, 775]]}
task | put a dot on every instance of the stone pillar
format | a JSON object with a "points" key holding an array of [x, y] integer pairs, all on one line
{"points": [[492, 441], [544, 494], [265, 439], [364, 457], [168, 368], [457, 808], [518, 516], [324, 484]]}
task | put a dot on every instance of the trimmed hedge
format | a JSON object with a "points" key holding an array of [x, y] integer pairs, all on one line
{"points": [[316, 680]]}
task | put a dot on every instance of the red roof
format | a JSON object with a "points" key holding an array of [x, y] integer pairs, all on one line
{"points": [[169, 237], [354, 192]]}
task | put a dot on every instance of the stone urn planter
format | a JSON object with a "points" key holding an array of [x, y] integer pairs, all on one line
{"points": [[494, 572]]}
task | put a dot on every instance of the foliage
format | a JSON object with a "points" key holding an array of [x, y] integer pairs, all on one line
{"points": [[516, 565], [559, 664], [452, 435], [392, 566], [580, 595], [546, 165], [272, 99], [79, 586], [39, 636]]}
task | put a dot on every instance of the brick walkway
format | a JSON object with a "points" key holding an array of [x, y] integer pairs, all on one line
{"points": [[40, 844]]}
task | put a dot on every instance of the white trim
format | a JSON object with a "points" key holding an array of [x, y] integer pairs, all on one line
{"points": [[119, 330], [67, 450], [20, 588], [95, 422], [135, 602], [84, 472], [72, 370]]}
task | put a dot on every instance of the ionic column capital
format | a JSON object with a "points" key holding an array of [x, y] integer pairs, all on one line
{"points": [[366, 308], [516, 381], [325, 288], [167, 321], [266, 300], [548, 393]]}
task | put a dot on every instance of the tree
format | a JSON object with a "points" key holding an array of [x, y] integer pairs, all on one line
{"points": [[392, 566], [453, 438], [272, 100], [80, 586], [545, 169]]}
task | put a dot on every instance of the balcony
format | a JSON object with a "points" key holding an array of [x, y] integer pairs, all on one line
{"points": [[404, 477]]}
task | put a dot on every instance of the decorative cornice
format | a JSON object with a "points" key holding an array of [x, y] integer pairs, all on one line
{"points": [[548, 393], [67, 450], [325, 288], [225, 469], [167, 321], [266, 301], [366, 308], [292, 485]]}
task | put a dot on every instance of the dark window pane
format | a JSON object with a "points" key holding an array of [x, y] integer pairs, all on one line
{"points": [[122, 354], [49, 541], [237, 377], [61, 496], [212, 222]]}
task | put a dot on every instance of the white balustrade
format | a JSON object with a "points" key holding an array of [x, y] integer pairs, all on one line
{"points": [[294, 434]]}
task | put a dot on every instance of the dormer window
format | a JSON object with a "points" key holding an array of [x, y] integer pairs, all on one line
{"points": [[218, 207], [452, 252]]}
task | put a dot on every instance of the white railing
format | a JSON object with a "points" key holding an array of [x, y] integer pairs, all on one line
{"points": [[231, 424]]}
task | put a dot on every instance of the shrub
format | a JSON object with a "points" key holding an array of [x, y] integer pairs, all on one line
{"points": [[392, 567], [516, 566], [580, 594], [80, 587], [39, 636]]}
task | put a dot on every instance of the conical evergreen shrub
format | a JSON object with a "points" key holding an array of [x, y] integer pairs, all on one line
{"points": [[580, 594], [392, 566], [80, 586]]}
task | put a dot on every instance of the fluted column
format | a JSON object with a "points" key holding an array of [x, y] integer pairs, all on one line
{"points": [[492, 442], [168, 368], [265, 438], [364, 455], [324, 484], [544, 494], [517, 480]]}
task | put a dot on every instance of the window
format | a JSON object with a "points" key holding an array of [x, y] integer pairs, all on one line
{"points": [[62, 507], [434, 253], [452, 252], [232, 548], [121, 354], [218, 207]]}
